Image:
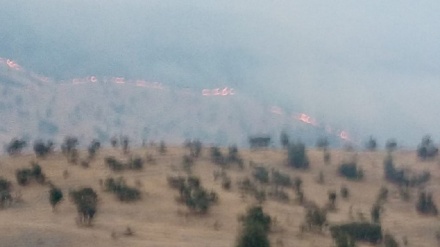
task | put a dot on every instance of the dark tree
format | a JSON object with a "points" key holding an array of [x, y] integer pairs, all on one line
{"points": [[94, 146], [391, 145], [55, 196], [322, 143], [297, 156], [5, 192], [427, 149], [284, 139], [15, 146], [259, 141], [86, 201], [371, 144], [42, 149]]}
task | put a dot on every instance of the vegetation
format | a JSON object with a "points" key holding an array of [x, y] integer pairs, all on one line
{"points": [[195, 147], [261, 174], [5, 192], [86, 201], [42, 149], [15, 146], [256, 225], [371, 144], [358, 231], [192, 194], [26, 175], [297, 157], [259, 141], [134, 163], [315, 218], [427, 149], [391, 145], [425, 204], [351, 171], [123, 192], [55, 196], [69, 149], [400, 177], [94, 146], [284, 139], [322, 143]]}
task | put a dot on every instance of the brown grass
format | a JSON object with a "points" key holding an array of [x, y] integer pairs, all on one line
{"points": [[158, 220]]}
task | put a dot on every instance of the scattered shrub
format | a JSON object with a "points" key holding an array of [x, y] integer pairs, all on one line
{"points": [[427, 149], [281, 179], [351, 171], [195, 147], [15, 146], [5, 192], [400, 177], [332, 200], [371, 144], [234, 157], [94, 146], [425, 204], [391, 145], [322, 143], [259, 141], [375, 213], [123, 192], [26, 175], [256, 225], [345, 193], [315, 218], [389, 241], [297, 157], [162, 148], [261, 174], [42, 149], [135, 163], [284, 139], [86, 201], [193, 194], [55, 196], [358, 231], [327, 157], [217, 156]]}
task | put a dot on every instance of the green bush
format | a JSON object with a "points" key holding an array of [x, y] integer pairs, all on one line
{"points": [[256, 216], [42, 149], [358, 231], [400, 177]]}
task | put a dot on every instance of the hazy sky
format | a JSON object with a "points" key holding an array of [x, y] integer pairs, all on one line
{"points": [[373, 66]]}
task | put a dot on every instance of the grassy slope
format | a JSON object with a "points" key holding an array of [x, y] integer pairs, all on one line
{"points": [[158, 220]]}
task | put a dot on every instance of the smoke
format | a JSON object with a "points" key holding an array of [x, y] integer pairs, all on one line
{"points": [[372, 67]]}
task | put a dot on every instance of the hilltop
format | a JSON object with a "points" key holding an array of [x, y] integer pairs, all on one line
{"points": [[159, 220]]}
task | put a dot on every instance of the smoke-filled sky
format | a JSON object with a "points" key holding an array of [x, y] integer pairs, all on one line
{"points": [[373, 66]]}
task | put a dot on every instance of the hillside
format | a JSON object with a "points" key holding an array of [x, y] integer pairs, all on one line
{"points": [[35, 107], [158, 220]]}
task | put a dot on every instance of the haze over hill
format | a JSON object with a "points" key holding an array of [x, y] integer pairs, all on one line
{"points": [[371, 67]]}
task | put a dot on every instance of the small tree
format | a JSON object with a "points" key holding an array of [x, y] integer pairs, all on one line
{"points": [[261, 174], [391, 145], [297, 157], [371, 144], [375, 213], [427, 149], [162, 148], [15, 146], [55, 196], [351, 171], [42, 149], [5, 192], [125, 144], [94, 146], [425, 204], [256, 225], [332, 199], [315, 218], [284, 139], [322, 143], [86, 201]]}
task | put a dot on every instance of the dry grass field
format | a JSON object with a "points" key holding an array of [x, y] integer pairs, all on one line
{"points": [[157, 220]]}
